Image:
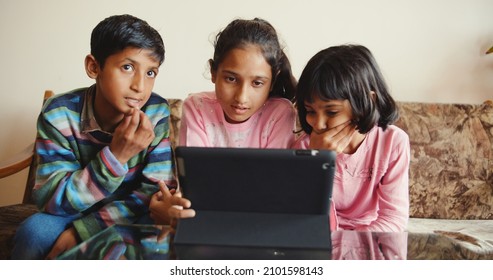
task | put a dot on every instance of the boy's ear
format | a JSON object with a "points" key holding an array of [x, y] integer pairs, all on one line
{"points": [[92, 66]]}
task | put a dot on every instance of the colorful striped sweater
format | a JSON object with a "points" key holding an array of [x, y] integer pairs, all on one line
{"points": [[78, 175]]}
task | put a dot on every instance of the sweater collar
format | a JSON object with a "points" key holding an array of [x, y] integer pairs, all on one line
{"points": [[89, 122]]}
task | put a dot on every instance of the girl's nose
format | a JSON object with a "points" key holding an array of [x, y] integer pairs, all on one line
{"points": [[320, 124], [241, 95]]}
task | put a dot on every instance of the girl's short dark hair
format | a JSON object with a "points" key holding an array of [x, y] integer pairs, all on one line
{"points": [[240, 33], [347, 72], [118, 32]]}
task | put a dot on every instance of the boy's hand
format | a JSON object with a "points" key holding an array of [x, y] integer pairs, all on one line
{"points": [[133, 134], [336, 138], [65, 241], [165, 231], [166, 206]]}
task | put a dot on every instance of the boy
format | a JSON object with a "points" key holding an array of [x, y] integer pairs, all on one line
{"points": [[101, 149]]}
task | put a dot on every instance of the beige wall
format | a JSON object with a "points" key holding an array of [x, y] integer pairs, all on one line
{"points": [[428, 50]]}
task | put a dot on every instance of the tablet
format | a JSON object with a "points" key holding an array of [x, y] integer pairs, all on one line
{"points": [[257, 180], [255, 203]]}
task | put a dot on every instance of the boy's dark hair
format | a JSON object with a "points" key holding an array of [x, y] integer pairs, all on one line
{"points": [[118, 32], [347, 72], [240, 33]]}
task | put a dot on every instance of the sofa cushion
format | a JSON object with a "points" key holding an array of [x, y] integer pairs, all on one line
{"points": [[10, 218], [175, 106], [470, 239], [451, 159]]}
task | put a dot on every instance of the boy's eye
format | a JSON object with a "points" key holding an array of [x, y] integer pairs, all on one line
{"points": [[127, 67], [151, 74]]}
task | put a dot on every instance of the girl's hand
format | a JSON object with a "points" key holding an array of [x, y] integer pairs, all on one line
{"points": [[166, 206], [336, 138]]}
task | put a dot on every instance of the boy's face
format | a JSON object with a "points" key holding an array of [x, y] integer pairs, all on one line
{"points": [[242, 82], [125, 82]]}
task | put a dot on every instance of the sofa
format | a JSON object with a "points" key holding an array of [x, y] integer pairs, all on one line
{"points": [[450, 184], [451, 174]]}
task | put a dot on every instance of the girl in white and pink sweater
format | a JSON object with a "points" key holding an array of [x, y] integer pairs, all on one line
{"points": [[344, 105], [251, 106]]}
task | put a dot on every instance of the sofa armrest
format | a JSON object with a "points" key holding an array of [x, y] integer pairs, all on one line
{"points": [[17, 162]]}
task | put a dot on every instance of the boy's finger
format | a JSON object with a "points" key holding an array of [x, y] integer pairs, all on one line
{"points": [[125, 122], [145, 128], [176, 212], [134, 119], [181, 202], [157, 196], [145, 122], [164, 190]]}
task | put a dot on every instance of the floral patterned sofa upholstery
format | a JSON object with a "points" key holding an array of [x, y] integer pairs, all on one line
{"points": [[451, 171]]}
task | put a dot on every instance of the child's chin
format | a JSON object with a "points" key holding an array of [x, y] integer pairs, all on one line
{"points": [[128, 112]]}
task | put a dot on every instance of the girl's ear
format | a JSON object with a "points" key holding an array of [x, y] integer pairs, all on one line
{"points": [[373, 96], [92, 66], [274, 80], [213, 72]]}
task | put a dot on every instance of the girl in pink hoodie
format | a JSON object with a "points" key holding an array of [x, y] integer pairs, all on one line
{"points": [[251, 106], [344, 105]]}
